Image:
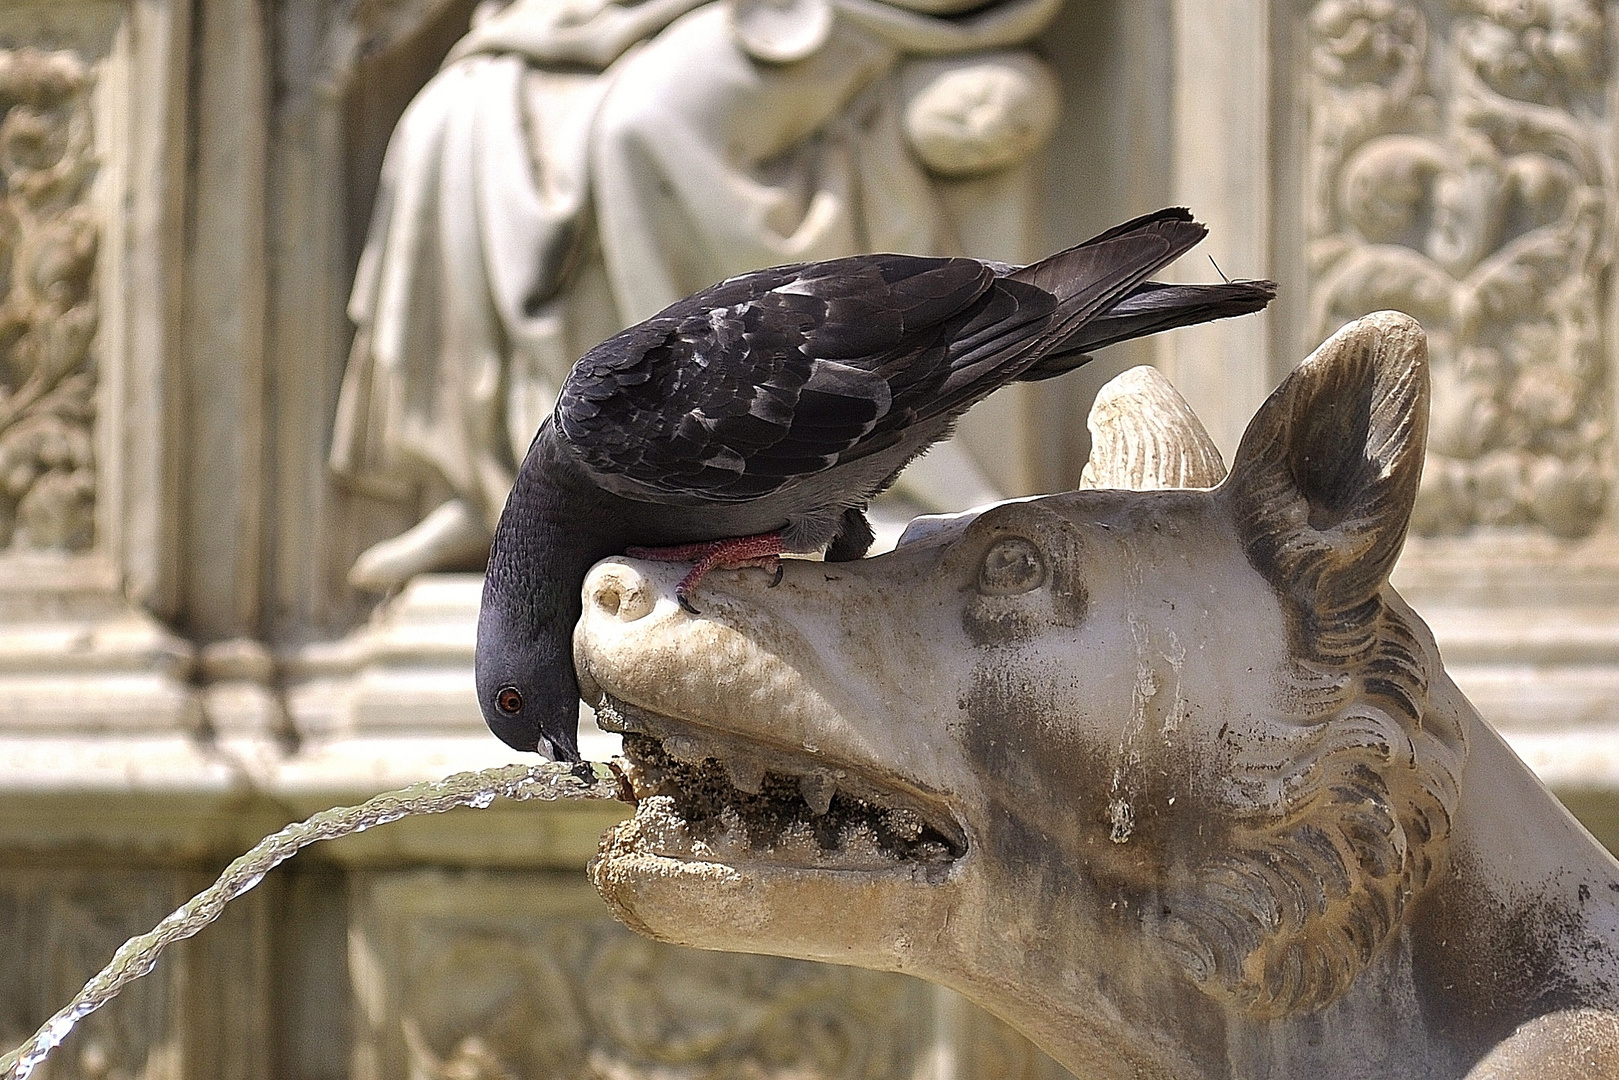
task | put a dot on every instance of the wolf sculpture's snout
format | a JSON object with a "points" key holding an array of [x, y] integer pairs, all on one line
{"points": [[619, 591]]}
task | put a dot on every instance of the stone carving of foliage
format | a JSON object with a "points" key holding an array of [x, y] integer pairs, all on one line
{"points": [[48, 241], [585, 999], [1459, 170]]}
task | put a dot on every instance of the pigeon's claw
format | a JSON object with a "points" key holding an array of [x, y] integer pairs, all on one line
{"points": [[763, 551], [677, 553]]}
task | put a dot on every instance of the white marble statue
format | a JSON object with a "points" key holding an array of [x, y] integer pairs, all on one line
{"points": [[578, 165], [1173, 780]]}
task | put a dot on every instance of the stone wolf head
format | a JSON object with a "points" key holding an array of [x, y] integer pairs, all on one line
{"points": [[1147, 772]]}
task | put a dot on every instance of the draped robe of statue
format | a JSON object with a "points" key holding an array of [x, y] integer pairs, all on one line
{"points": [[577, 165]]}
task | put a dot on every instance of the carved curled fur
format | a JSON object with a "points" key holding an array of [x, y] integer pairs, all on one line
{"points": [[1343, 817], [1144, 437]]}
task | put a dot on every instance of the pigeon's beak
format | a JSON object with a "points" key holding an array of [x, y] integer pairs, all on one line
{"points": [[526, 740], [556, 751]]}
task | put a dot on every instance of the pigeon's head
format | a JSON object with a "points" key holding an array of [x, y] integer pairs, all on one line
{"points": [[524, 674]]}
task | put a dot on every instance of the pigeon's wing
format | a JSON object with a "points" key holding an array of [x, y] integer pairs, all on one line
{"points": [[1026, 312], [733, 392], [783, 373]]}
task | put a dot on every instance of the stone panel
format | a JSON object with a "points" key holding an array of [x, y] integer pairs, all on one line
{"points": [[489, 975], [61, 926], [203, 1012], [91, 134], [49, 236], [92, 153], [1458, 167]]}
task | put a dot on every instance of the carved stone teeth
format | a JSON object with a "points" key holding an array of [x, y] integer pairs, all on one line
{"points": [[631, 777], [747, 774], [817, 790], [904, 823], [612, 715]]}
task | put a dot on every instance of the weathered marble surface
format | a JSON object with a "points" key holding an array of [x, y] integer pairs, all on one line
{"points": [[1171, 779]]}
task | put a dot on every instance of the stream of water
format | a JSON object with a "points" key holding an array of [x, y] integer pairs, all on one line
{"points": [[138, 955]]}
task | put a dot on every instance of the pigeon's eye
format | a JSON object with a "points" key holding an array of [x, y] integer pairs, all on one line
{"points": [[509, 700], [1011, 565]]}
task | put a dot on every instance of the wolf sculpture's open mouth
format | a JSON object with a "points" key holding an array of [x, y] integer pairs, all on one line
{"points": [[704, 796]]}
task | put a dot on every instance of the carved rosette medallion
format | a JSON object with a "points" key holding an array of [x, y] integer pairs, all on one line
{"points": [[1458, 169], [48, 241]]}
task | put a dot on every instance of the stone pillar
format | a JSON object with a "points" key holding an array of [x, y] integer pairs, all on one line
{"points": [[223, 445], [1222, 170]]}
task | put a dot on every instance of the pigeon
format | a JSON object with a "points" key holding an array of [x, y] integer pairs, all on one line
{"points": [[761, 415]]}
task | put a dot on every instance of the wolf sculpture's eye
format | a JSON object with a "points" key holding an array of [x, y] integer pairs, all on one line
{"points": [[1011, 565]]}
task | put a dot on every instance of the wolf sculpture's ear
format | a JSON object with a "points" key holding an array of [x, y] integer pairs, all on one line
{"points": [[1323, 483], [1145, 437]]}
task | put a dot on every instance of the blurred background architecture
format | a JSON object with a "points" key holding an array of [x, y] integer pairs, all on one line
{"points": [[262, 380]]}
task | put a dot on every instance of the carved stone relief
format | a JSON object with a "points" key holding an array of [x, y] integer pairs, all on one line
{"points": [[48, 244], [500, 977], [60, 925], [1458, 169], [629, 177]]}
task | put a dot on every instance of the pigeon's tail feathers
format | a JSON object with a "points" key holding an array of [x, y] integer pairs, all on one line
{"points": [[1171, 214], [1093, 277], [1156, 306], [1049, 301], [1152, 307], [1074, 274]]}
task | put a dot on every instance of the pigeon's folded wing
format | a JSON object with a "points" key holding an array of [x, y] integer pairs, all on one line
{"points": [[785, 372]]}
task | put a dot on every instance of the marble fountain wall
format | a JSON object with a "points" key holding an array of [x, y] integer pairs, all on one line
{"points": [[183, 667]]}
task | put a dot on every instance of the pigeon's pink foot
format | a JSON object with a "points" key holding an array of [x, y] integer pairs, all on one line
{"points": [[763, 551]]}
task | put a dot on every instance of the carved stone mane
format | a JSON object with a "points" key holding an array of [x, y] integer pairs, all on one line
{"points": [[1337, 829], [1344, 816]]}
